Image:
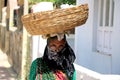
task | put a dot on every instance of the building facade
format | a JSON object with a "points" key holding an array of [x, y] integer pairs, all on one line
{"points": [[97, 42]]}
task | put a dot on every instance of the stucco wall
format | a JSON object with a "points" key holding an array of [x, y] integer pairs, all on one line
{"points": [[11, 44], [116, 38], [83, 39], [85, 43]]}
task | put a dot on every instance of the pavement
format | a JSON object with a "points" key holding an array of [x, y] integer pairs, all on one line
{"points": [[6, 72]]}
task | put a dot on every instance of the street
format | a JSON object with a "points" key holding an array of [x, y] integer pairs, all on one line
{"points": [[6, 72]]}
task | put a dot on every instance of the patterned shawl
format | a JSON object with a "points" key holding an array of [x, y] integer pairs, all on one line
{"points": [[46, 68]]}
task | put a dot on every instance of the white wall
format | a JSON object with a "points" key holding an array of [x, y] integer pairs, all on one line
{"points": [[83, 39], [85, 43], [116, 39]]}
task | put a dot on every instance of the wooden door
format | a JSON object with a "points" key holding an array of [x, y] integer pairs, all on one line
{"points": [[105, 26]]}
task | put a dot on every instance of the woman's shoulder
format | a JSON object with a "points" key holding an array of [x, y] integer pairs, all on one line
{"points": [[34, 62], [37, 59]]}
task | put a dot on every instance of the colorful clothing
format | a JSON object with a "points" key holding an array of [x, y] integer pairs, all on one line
{"points": [[56, 63], [40, 71]]}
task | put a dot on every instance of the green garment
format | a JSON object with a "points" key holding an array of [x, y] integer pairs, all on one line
{"points": [[47, 74]]}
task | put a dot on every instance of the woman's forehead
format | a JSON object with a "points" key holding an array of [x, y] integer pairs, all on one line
{"points": [[56, 41]]}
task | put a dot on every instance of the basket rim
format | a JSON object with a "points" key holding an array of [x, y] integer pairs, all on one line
{"points": [[40, 17]]}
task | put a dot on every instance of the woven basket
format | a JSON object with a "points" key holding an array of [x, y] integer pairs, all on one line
{"points": [[55, 21]]}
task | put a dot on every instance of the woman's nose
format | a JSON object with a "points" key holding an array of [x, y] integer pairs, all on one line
{"points": [[56, 50]]}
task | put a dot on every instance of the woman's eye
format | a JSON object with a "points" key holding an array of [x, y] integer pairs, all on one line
{"points": [[61, 46], [52, 48]]}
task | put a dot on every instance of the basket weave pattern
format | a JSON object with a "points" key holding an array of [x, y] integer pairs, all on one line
{"points": [[54, 21]]}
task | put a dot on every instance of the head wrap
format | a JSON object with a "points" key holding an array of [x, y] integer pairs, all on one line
{"points": [[63, 60]]}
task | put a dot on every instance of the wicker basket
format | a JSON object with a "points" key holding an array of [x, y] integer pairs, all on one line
{"points": [[54, 21]]}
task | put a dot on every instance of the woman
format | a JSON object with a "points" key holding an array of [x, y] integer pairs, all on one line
{"points": [[56, 63]]}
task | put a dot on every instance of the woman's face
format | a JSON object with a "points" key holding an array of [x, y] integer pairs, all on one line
{"points": [[55, 47]]}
